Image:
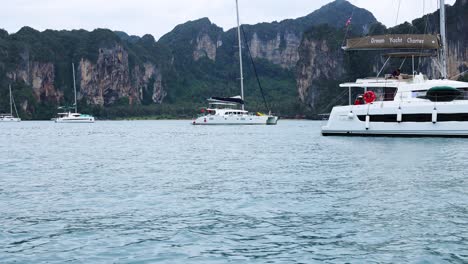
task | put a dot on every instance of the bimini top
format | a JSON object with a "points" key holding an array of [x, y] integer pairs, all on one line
{"points": [[226, 100], [394, 41], [409, 54]]}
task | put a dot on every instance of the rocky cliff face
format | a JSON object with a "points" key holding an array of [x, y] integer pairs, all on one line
{"points": [[457, 50], [281, 50], [108, 79], [149, 79], [205, 47], [457, 38], [279, 42], [321, 63], [40, 76]]}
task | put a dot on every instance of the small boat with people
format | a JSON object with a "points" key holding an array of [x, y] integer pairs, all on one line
{"points": [[403, 104]]}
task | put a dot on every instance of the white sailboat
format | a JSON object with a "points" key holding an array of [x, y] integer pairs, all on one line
{"points": [[73, 117], [409, 104], [9, 117], [231, 110]]}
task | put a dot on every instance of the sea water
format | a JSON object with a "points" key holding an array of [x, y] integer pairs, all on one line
{"points": [[170, 192]]}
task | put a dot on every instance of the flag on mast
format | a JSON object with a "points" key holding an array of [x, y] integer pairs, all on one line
{"points": [[348, 22]]}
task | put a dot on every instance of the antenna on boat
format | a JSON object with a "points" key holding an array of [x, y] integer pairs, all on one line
{"points": [[240, 54], [443, 54], [74, 87]]}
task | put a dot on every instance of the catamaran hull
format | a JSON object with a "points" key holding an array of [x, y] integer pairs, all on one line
{"points": [[10, 120], [235, 120], [449, 119], [87, 120], [272, 120]]}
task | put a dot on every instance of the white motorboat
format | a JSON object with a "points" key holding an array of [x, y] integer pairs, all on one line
{"points": [[73, 117], [404, 105], [9, 117], [231, 110]]}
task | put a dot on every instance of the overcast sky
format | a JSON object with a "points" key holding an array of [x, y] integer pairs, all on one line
{"points": [[157, 17]]}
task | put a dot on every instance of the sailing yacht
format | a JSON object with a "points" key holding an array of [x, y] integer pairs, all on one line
{"points": [[231, 110], [73, 117], [9, 117], [403, 104]]}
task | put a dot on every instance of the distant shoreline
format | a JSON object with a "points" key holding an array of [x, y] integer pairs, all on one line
{"points": [[162, 119]]}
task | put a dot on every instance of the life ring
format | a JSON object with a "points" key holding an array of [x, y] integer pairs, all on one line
{"points": [[369, 97]]}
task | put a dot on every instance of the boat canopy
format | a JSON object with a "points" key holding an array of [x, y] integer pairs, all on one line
{"points": [[234, 99], [394, 41], [409, 54]]}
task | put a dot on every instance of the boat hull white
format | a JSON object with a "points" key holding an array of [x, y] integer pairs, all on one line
{"points": [[272, 120], [448, 119], [74, 120], [9, 119], [235, 120]]}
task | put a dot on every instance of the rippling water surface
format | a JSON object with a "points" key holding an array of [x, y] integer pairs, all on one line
{"points": [[169, 192]]}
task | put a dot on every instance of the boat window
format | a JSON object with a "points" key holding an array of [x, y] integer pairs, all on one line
{"points": [[452, 117], [388, 93], [419, 94], [457, 117], [379, 118], [464, 95]]}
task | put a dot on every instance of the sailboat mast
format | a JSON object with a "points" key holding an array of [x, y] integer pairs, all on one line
{"points": [[444, 39], [11, 101], [240, 53], [74, 87]]}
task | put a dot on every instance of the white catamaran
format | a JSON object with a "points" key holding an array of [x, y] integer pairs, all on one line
{"points": [[73, 117], [225, 111], [401, 104], [9, 117]]}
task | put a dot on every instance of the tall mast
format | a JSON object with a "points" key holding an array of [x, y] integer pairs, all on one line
{"points": [[11, 101], [443, 54], [240, 53], [74, 87]]}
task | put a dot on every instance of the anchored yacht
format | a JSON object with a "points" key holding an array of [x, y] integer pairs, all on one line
{"points": [[70, 117], [231, 110], [406, 107], [225, 111], [9, 117], [73, 117], [401, 104]]}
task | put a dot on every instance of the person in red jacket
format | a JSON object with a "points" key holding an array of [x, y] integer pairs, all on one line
{"points": [[359, 100]]}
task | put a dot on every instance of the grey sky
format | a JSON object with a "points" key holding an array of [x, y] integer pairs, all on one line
{"points": [[157, 17]]}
